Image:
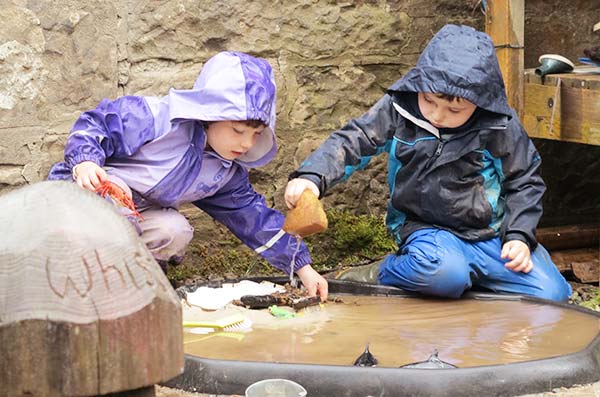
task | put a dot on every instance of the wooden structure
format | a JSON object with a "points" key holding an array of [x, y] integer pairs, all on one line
{"points": [[84, 308], [505, 23], [563, 107]]}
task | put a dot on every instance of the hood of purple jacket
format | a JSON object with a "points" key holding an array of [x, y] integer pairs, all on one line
{"points": [[232, 86]]}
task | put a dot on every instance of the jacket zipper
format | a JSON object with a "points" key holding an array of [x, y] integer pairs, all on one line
{"points": [[438, 150]]}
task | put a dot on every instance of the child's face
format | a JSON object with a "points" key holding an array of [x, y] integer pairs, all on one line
{"points": [[231, 139], [442, 113]]}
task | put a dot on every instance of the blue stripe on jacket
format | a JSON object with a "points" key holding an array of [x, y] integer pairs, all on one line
{"points": [[394, 219], [493, 177]]}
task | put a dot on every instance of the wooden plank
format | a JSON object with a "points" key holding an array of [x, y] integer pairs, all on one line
{"points": [[504, 23], [541, 108], [569, 237], [573, 80], [573, 112]]}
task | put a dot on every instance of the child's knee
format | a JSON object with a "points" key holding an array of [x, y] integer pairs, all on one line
{"points": [[176, 226], [558, 292], [451, 279], [446, 278], [166, 233], [428, 264], [551, 284]]}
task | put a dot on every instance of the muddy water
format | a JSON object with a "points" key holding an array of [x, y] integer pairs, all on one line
{"points": [[293, 262], [466, 333]]}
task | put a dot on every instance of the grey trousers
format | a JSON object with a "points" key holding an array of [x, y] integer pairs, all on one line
{"points": [[165, 231]]}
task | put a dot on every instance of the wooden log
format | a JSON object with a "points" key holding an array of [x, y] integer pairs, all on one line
{"points": [[569, 237], [85, 310]]}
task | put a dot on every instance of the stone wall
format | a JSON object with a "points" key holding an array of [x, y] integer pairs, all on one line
{"points": [[332, 60]]}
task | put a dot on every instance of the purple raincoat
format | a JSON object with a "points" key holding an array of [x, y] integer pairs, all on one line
{"points": [[157, 146]]}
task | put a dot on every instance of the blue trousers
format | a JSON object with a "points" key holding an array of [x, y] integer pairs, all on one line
{"points": [[436, 262]]}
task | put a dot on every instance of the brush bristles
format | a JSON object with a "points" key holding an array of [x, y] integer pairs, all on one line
{"points": [[242, 326]]}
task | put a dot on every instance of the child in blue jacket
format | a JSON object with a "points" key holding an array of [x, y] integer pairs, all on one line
{"points": [[192, 146], [465, 188]]}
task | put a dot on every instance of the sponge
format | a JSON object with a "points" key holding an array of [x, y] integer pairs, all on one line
{"points": [[308, 217]]}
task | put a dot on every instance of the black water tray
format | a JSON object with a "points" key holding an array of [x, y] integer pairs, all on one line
{"points": [[226, 377]]}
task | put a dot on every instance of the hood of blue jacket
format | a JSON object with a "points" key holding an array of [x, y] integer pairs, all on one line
{"points": [[462, 62]]}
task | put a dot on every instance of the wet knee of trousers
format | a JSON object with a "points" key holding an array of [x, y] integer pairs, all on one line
{"points": [[166, 233], [557, 292], [430, 263], [551, 284]]}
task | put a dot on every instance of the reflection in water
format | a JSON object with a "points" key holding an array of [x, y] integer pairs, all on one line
{"points": [[403, 330]]}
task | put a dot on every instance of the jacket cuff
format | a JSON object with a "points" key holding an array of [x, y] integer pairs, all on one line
{"points": [[80, 158], [521, 237], [301, 260], [314, 178]]}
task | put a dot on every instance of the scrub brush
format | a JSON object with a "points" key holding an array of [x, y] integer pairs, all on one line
{"points": [[232, 323]]}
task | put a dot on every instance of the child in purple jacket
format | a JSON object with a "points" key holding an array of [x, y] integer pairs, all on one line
{"points": [[192, 146]]}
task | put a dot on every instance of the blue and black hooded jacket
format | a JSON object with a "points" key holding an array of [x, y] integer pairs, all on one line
{"points": [[478, 181]]}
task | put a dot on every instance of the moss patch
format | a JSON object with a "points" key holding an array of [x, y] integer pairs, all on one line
{"points": [[210, 260], [350, 240], [585, 295]]}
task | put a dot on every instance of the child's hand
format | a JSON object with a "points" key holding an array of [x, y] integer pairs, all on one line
{"points": [[89, 175], [314, 283], [519, 255], [294, 189]]}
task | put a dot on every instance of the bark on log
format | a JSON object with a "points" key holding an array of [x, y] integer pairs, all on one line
{"points": [[84, 308]]}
